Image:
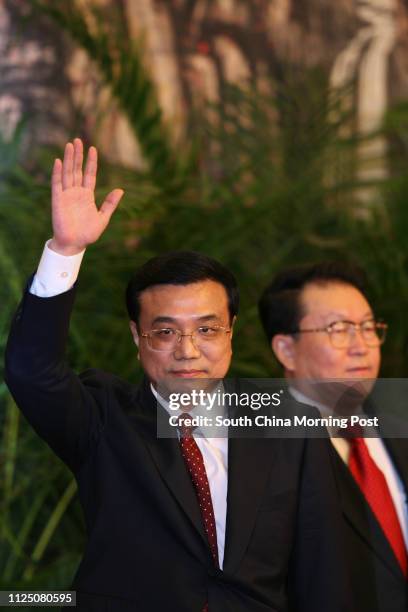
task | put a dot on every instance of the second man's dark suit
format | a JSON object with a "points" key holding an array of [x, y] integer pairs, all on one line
{"points": [[378, 583], [147, 550]]}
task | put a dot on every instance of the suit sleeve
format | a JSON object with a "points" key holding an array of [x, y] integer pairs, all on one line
{"points": [[65, 412], [319, 578]]}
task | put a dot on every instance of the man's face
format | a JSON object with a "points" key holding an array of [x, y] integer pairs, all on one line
{"points": [[314, 357], [186, 308]]}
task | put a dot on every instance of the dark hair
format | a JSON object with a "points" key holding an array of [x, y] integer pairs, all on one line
{"points": [[180, 268], [280, 307]]}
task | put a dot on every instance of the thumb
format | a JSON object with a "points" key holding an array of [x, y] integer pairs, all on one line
{"points": [[110, 203]]}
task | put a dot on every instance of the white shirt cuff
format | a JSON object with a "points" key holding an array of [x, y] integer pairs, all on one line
{"points": [[56, 273]]}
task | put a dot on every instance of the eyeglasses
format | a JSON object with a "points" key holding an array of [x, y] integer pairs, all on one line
{"points": [[341, 332], [168, 339]]}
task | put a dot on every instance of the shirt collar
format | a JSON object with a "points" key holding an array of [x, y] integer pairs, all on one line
{"points": [[197, 411], [324, 410]]}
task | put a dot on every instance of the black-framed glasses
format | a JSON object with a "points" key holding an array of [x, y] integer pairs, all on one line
{"points": [[341, 332], [167, 339]]}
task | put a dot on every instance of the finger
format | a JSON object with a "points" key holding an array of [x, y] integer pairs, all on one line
{"points": [[78, 160], [56, 179], [67, 166], [91, 166], [110, 204]]}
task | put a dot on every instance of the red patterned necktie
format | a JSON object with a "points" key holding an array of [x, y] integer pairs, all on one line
{"points": [[195, 465], [374, 487]]}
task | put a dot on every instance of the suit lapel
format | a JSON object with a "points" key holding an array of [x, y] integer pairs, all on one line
{"points": [[166, 455], [249, 466], [394, 434], [359, 515]]}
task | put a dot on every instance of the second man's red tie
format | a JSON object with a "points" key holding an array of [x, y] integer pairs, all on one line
{"points": [[374, 487]]}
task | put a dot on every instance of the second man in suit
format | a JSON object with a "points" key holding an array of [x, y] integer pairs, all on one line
{"points": [[321, 326]]}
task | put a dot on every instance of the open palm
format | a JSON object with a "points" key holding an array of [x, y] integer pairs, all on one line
{"points": [[76, 220]]}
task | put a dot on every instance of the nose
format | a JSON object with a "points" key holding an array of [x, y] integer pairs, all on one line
{"points": [[357, 343], [186, 348]]}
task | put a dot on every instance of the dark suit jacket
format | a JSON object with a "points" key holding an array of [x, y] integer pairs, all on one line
{"points": [[147, 550], [377, 581]]}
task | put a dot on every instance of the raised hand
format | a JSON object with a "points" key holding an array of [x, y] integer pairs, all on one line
{"points": [[76, 220]]}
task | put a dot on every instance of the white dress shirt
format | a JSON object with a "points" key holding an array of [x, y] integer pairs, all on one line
{"points": [[378, 453], [57, 274]]}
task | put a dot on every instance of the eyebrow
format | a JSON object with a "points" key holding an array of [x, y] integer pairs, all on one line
{"points": [[202, 319], [334, 313]]}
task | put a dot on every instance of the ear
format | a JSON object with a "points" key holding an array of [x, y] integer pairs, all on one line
{"points": [[283, 346], [134, 332]]}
